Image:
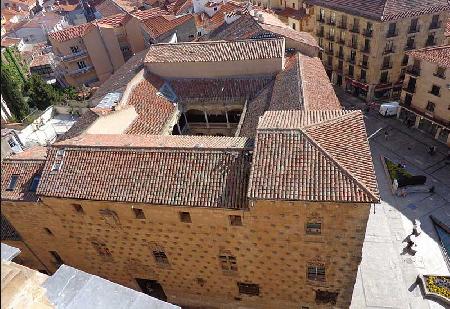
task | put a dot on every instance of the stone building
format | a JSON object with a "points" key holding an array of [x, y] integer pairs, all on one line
{"points": [[366, 42], [90, 53], [425, 102], [273, 214]]}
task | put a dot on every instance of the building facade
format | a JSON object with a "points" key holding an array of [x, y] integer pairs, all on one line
{"points": [[271, 215], [425, 95]]}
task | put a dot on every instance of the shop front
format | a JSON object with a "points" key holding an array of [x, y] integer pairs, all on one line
{"points": [[382, 91], [356, 88]]}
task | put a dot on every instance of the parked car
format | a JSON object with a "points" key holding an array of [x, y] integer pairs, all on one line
{"points": [[389, 108]]}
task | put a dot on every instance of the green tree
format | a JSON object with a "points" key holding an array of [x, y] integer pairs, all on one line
{"points": [[12, 93], [41, 95]]}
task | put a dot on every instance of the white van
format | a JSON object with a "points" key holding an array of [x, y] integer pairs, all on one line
{"points": [[389, 108]]}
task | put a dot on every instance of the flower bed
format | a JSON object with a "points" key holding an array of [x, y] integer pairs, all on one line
{"points": [[437, 287]]}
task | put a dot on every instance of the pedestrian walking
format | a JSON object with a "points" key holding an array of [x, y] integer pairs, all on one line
{"points": [[386, 135]]}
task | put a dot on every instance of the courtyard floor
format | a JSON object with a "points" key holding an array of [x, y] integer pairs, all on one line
{"points": [[387, 274]]}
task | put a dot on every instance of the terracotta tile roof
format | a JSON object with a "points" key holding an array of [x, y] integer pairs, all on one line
{"points": [[113, 20], [439, 55], [292, 13], [142, 15], [216, 51], [313, 156], [290, 33], [108, 8], [8, 42], [160, 25], [119, 80], [40, 60], [180, 6], [318, 93], [26, 165], [218, 18], [221, 89], [447, 28], [71, 32], [385, 10], [191, 171], [154, 111]]}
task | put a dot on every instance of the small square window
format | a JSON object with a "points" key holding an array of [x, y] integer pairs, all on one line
{"points": [[161, 258], [248, 288], [235, 220], [138, 213], [228, 262], [12, 182], [49, 232], [34, 183], [313, 228], [56, 167], [78, 208], [185, 217], [430, 106], [316, 273], [435, 90]]}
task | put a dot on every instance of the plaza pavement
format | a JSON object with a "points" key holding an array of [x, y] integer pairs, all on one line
{"points": [[387, 274]]}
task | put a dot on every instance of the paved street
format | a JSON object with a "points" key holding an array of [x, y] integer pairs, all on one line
{"points": [[387, 274]]}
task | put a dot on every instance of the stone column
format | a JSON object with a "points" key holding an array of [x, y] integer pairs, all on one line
{"points": [[416, 124], [206, 118]]}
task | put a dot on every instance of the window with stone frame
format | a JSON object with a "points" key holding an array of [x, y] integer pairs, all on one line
{"points": [[313, 227], [228, 262], [160, 257], [316, 272], [248, 288], [138, 213], [185, 217], [235, 220]]}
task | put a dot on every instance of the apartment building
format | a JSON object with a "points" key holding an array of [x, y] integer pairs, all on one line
{"points": [[90, 53], [425, 95], [366, 42], [257, 218]]}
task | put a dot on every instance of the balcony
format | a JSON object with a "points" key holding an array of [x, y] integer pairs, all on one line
{"points": [[362, 80], [410, 89], [330, 37], [329, 51], [386, 66], [320, 33], [342, 25], [353, 45], [81, 71], [439, 75], [365, 49], [331, 22], [320, 19], [389, 50], [413, 29], [430, 43], [364, 65], [410, 46], [354, 29], [435, 25], [339, 69], [340, 55], [391, 34], [74, 56], [351, 60], [413, 70], [368, 33], [340, 41]]}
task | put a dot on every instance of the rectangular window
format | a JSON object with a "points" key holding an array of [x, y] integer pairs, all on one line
{"points": [[228, 262], [12, 182], [440, 72], [235, 220], [74, 49], [384, 77], [248, 288], [161, 258], [351, 70], [316, 273], [34, 183], [435, 90], [185, 217], [392, 31], [430, 106], [12, 143], [313, 228], [405, 60], [58, 260], [293, 26], [138, 213], [78, 208], [81, 64]]}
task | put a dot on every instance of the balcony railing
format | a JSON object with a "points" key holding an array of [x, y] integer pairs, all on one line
{"points": [[413, 70], [391, 34], [353, 45], [414, 29], [351, 60], [389, 50], [439, 75], [329, 51], [364, 65], [340, 41], [331, 21], [386, 66], [340, 55], [339, 69], [74, 56], [354, 29], [435, 25], [365, 49], [430, 43], [342, 25], [320, 19], [410, 46], [81, 71], [410, 89], [362, 80], [368, 33], [320, 33], [330, 37]]}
